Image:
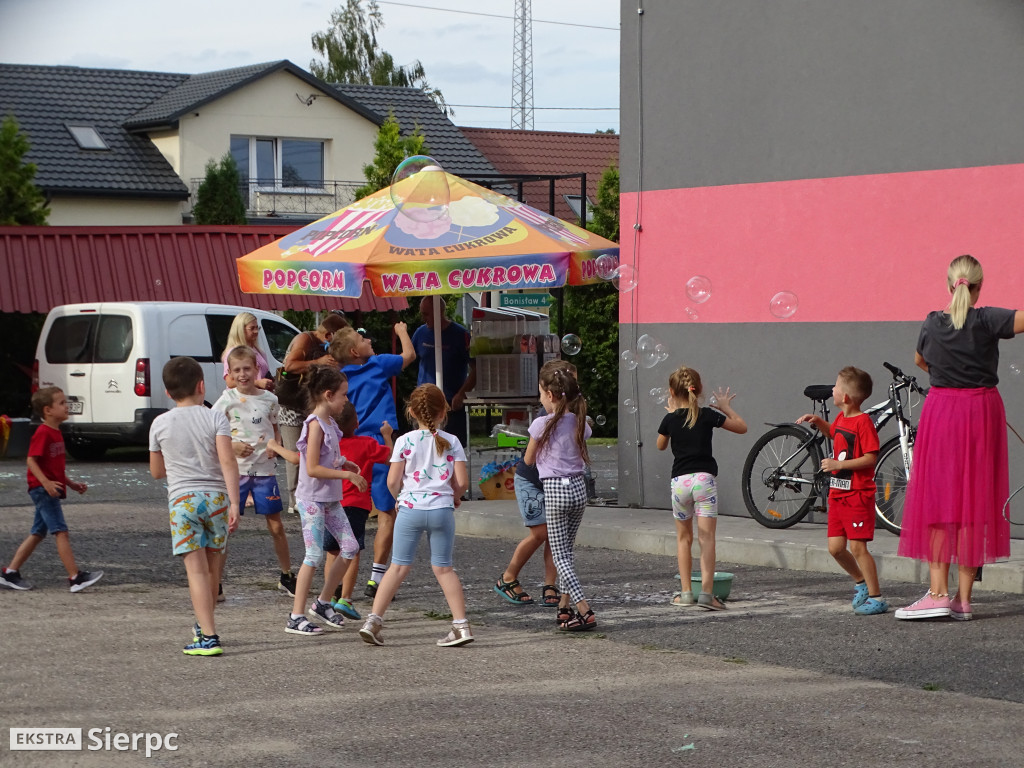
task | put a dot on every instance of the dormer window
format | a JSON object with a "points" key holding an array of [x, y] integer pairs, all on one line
{"points": [[87, 137]]}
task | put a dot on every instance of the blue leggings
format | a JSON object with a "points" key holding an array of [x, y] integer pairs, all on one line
{"points": [[411, 523]]}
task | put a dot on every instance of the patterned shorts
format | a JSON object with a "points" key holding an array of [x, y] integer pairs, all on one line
{"points": [[199, 520], [695, 494]]}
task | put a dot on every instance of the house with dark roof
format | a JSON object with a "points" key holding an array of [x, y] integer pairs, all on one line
{"points": [[122, 147], [549, 154]]}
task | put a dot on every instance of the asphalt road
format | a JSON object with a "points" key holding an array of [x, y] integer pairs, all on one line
{"points": [[788, 676]]}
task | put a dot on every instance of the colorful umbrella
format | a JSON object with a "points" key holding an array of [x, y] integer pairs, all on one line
{"points": [[479, 241]]}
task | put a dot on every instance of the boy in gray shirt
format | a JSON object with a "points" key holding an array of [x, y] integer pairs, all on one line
{"points": [[190, 445]]}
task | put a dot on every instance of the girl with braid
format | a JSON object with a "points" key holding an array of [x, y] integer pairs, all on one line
{"points": [[558, 448], [428, 477], [688, 429]]}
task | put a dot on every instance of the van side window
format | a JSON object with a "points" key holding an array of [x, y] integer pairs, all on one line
{"points": [[219, 326], [279, 336], [114, 342], [70, 339]]}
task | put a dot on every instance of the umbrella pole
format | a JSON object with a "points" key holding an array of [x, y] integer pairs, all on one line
{"points": [[438, 367]]}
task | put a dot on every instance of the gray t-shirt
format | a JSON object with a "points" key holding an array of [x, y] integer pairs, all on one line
{"points": [[187, 437], [967, 358]]}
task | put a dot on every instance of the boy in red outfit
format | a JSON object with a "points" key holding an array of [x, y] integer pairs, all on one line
{"points": [[851, 496], [47, 485]]}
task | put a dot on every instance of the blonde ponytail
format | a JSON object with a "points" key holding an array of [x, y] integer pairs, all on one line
{"points": [[963, 276], [686, 386]]}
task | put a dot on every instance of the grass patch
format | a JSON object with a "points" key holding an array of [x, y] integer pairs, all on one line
{"points": [[931, 687], [438, 616]]}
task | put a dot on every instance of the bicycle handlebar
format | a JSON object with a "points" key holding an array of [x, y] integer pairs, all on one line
{"points": [[901, 376]]}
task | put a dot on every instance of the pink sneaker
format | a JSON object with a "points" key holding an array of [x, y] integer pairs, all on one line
{"points": [[960, 611], [928, 607]]}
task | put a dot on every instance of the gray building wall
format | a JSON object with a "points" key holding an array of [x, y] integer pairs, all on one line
{"points": [[719, 93]]}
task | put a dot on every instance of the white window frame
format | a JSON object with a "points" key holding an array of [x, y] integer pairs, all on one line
{"points": [[278, 175]]}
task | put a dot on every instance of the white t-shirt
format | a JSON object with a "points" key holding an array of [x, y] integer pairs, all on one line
{"points": [[187, 438], [252, 419], [427, 482]]}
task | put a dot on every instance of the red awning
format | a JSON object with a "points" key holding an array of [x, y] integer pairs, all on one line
{"points": [[44, 267]]}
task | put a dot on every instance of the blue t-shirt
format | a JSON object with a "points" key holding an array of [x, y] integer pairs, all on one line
{"points": [[369, 389], [454, 356]]}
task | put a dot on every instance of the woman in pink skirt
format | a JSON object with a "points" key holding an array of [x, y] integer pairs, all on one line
{"points": [[960, 480]]}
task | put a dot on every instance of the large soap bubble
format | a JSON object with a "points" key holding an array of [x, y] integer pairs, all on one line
{"points": [[624, 278], [647, 351], [783, 304], [600, 420], [661, 351], [698, 289], [660, 394], [604, 265], [419, 189], [629, 406], [571, 344], [629, 360]]}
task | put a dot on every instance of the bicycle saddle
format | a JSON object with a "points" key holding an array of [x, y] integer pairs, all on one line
{"points": [[818, 392]]}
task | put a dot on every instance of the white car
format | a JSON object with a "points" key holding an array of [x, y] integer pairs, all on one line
{"points": [[108, 358]]}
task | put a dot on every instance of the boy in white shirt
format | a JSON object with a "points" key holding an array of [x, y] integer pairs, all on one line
{"points": [[252, 415]]}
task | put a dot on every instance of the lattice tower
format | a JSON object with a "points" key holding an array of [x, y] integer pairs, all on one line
{"points": [[522, 68]]}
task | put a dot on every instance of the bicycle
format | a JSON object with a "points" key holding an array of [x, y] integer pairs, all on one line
{"points": [[782, 474]]}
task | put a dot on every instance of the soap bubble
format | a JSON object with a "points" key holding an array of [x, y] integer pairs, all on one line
{"points": [[1015, 369], [629, 405], [691, 315], [571, 344], [660, 394], [419, 189], [784, 304], [604, 265], [624, 278], [629, 360], [600, 421], [698, 288], [646, 351], [661, 351]]}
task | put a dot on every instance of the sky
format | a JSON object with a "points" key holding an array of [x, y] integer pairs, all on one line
{"points": [[465, 53]]}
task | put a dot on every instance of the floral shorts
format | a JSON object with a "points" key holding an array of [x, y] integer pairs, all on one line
{"points": [[695, 494], [199, 520]]}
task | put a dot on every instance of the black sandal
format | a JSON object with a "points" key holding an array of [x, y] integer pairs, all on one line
{"points": [[507, 589], [580, 622], [564, 615], [551, 596]]}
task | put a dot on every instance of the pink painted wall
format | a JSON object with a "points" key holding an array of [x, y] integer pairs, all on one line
{"points": [[854, 248]]}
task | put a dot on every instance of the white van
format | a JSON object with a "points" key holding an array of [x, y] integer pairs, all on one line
{"points": [[108, 358]]}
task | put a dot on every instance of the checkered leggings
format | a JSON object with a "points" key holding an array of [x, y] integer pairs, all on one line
{"points": [[565, 500]]}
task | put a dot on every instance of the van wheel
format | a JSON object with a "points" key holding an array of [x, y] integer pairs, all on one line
{"points": [[86, 450]]}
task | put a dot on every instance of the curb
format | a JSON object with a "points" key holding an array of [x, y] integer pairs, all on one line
{"points": [[646, 539]]}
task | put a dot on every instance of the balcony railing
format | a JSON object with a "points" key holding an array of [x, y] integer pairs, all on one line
{"points": [[271, 198]]}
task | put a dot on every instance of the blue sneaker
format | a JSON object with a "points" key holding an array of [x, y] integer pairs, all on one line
{"points": [[871, 606], [344, 607], [204, 646], [860, 595]]}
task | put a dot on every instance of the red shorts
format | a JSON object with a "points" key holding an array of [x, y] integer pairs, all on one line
{"points": [[852, 515]]}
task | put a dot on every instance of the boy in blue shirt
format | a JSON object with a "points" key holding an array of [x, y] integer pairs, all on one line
{"points": [[369, 390]]}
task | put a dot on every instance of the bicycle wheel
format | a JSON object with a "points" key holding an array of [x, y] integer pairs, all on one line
{"points": [[890, 485], [779, 476]]}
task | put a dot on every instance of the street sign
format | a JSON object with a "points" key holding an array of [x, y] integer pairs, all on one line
{"points": [[525, 299]]}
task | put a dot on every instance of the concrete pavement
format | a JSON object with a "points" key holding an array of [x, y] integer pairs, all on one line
{"points": [[740, 540]]}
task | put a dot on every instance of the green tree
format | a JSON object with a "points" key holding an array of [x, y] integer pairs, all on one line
{"points": [[219, 197], [351, 53], [605, 221], [391, 148], [22, 203], [592, 312]]}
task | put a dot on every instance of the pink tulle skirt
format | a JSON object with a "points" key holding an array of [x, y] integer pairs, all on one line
{"points": [[959, 480]]}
